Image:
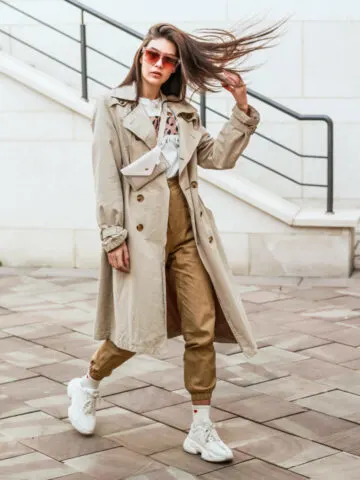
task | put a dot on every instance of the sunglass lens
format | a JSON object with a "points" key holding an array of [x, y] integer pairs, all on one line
{"points": [[169, 62], [151, 56]]}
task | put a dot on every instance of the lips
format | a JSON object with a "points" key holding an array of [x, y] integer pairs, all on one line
{"points": [[156, 74]]}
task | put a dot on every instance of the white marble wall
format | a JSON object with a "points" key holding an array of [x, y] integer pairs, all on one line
{"points": [[313, 69], [47, 204]]}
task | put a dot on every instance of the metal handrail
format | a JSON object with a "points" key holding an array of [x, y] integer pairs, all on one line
{"points": [[203, 107]]}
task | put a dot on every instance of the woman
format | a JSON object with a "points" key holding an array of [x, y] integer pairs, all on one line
{"points": [[163, 269]]}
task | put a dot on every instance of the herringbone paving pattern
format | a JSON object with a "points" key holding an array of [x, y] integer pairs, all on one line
{"points": [[290, 413]]}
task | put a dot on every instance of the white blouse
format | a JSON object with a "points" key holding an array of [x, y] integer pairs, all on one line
{"points": [[170, 142]]}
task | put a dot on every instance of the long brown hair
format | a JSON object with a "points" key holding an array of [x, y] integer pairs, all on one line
{"points": [[203, 57]]}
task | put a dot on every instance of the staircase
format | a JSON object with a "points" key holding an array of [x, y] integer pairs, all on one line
{"points": [[263, 232]]}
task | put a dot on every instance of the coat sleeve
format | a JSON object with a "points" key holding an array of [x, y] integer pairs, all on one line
{"points": [[222, 153], [108, 187]]}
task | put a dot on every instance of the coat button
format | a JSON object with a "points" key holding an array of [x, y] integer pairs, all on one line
{"points": [[201, 213], [140, 227], [140, 198], [194, 184], [211, 239]]}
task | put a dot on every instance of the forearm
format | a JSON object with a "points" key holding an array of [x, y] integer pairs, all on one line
{"points": [[222, 153], [108, 188]]}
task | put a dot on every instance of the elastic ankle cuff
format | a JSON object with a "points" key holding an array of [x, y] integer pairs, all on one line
{"points": [[201, 396]]}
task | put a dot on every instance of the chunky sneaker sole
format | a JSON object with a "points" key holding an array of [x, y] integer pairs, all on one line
{"points": [[190, 446], [75, 420]]}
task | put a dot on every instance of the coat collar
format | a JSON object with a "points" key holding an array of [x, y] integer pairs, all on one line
{"points": [[137, 121]]}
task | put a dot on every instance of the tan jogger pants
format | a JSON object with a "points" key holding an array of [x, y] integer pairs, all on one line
{"points": [[195, 301]]}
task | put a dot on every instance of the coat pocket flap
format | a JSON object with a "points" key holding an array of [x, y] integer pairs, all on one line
{"points": [[144, 165]]}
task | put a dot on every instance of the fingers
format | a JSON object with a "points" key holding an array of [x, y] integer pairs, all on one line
{"points": [[119, 259], [126, 257], [234, 80]]}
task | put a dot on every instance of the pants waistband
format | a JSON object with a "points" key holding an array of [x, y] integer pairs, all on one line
{"points": [[173, 181]]}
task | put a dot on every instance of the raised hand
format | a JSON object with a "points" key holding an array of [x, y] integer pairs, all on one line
{"points": [[236, 86]]}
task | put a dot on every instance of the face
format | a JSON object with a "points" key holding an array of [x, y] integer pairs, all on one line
{"points": [[158, 61]]}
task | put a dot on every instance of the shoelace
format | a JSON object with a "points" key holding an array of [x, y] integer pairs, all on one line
{"points": [[90, 403], [211, 434]]}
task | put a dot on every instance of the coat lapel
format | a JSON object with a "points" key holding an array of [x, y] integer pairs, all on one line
{"points": [[189, 140], [140, 125]]}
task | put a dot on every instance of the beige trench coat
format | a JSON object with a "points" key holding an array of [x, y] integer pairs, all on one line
{"points": [[137, 310]]}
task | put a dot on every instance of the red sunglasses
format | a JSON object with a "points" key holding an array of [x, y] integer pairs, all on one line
{"points": [[152, 56]]}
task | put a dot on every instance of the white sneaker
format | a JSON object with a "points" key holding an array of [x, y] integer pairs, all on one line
{"points": [[83, 406], [204, 439]]}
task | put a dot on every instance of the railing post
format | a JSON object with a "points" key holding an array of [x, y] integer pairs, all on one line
{"points": [[330, 167], [84, 77], [203, 109]]}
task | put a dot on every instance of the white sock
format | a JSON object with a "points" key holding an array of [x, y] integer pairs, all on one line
{"points": [[201, 414], [89, 382]]}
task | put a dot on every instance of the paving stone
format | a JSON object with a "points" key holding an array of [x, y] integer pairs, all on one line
{"points": [[169, 473], [313, 425], [29, 389], [57, 405], [12, 344], [349, 382], [31, 425], [249, 374], [347, 336], [114, 384], [63, 371], [286, 450], [290, 388], [253, 470], [262, 296], [172, 379], [308, 359], [353, 364], [76, 476], [333, 353], [14, 319], [64, 296], [239, 432], [71, 343], [145, 399], [10, 373], [33, 356], [11, 448], [331, 313], [293, 341], [317, 293], [355, 292], [346, 302], [262, 408], [336, 403], [68, 444], [193, 463], [116, 419], [36, 330], [149, 439], [313, 326], [291, 305], [33, 466], [11, 407], [4, 311], [180, 416], [341, 465], [276, 356], [114, 464], [314, 369]]}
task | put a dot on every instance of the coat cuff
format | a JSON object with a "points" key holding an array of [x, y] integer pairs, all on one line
{"points": [[112, 237], [248, 121]]}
